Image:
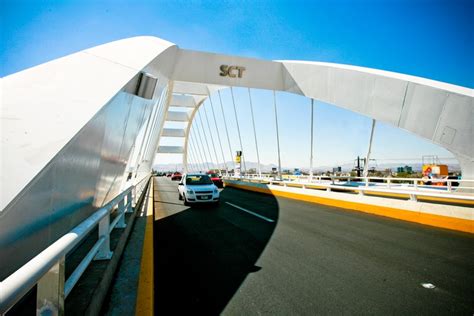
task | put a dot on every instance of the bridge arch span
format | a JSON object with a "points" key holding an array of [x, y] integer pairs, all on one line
{"points": [[439, 112], [77, 115]]}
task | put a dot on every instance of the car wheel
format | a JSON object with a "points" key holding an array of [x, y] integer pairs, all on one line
{"points": [[186, 203], [180, 197]]}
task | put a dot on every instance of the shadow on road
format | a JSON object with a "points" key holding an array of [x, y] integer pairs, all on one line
{"points": [[203, 254]]}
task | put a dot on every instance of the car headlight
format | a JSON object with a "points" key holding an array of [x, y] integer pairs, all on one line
{"points": [[189, 191], [216, 191]]}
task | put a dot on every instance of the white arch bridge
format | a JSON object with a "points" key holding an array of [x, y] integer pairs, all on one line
{"points": [[74, 128]]}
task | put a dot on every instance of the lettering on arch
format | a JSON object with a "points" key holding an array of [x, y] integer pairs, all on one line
{"points": [[231, 71]]}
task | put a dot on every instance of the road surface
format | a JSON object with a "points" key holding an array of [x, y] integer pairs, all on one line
{"points": [[298, 258]]}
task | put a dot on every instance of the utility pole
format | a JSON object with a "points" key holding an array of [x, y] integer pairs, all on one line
{"points": [[367, 158], [358, 166]]}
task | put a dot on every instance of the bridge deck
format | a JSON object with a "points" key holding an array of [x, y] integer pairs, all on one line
{"points": [[311, 259]]}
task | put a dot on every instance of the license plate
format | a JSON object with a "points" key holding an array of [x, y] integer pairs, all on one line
{"points": [[204, 197]]}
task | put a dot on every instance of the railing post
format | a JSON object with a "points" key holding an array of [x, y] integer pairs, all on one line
{"points": [[104, 252], [389, 181], [50, 293], [415, 184], [121, 213], [129, 202], [449, 183], [135, 199]]}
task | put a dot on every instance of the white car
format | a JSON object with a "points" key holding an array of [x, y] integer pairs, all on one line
{"points": [[197, 188]]}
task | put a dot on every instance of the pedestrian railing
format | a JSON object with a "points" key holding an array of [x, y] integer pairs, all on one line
{"points": [[457, 189], [46, 270]]}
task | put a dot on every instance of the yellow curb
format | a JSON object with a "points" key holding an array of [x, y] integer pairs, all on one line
{"points": [[145, 297], [452, 223]]}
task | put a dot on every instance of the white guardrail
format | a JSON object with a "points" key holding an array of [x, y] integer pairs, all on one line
{"points": [[459, 189], [47, 268]]}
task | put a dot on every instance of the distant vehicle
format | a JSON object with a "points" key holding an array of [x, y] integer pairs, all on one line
{"points": [[176, 176], [168, 174], [216, 179], [454, 183], [197, 188]]}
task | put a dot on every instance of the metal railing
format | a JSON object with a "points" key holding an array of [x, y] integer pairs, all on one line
{"points": [[458, 189], [47, 268]]}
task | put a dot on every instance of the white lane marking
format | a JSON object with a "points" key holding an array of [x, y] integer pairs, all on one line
{"points": [[250, 212], [428, 285]]}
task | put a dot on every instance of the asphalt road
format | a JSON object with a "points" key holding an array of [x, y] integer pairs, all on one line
{"points": [[311, 259]]}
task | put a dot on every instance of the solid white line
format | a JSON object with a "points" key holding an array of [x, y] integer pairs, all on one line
{"points": [[250, 212]]}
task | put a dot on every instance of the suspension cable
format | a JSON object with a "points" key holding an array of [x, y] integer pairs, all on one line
{"points": [[277, 134], [367, 158], [225, 124], [202, 146], [193, 155], [212, 138], [255, 134], [218, 135], [158, 115], [238, 128], [189, 155], [189, 159], [205, 137], [202, 165], [154, 108], [198, 149], [198, 155]]}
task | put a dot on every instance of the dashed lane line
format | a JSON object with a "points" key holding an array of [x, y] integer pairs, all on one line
{"points": [[250, 212]]}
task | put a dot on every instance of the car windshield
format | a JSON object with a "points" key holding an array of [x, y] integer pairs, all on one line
{"points": [[213, 175], [198, 180]]}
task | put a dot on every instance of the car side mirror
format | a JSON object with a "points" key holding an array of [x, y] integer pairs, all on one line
{"points": [[180, 183]]}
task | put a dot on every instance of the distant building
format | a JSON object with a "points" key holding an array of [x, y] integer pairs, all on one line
{"points": [[407, 169], [337, 169]]}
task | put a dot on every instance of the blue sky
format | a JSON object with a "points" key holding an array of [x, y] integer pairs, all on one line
{"points": [[432, 39]]}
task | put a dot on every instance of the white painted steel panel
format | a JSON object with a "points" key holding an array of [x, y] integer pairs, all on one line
{"points": [[195, 89], [180, 100], [135, 52], [45, 106], [456, 123], [170, 150], [202, 67], [422, 109], [68, 128], [387, 100], [412, 103], [176, 116], [173, 132]]}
